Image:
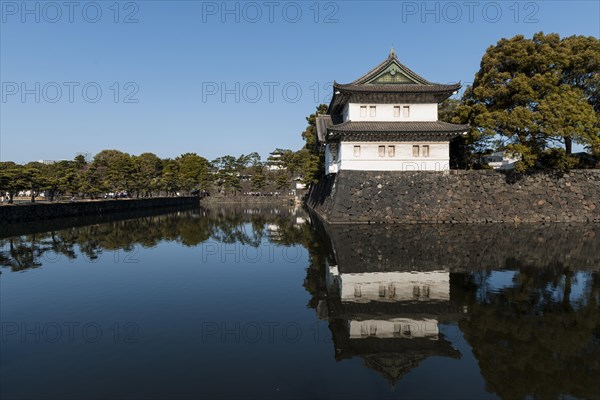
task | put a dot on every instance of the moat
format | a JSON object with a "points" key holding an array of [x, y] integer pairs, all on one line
{"points": [[266, 301]]}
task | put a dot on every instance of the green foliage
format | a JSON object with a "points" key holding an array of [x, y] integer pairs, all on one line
{"points": [[463, 149], [33, 178], [104, 176], [11, 179], [531, 95], [170, 177], [258, 180], [291, 162], [447, 110], [282, 182], [226, 173], [559, 160], [193, 171], [311, 165], [310, 133], [148, 169], [311, 159]]}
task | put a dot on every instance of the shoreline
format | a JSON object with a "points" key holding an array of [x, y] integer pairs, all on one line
{"points": [[30, 212]]}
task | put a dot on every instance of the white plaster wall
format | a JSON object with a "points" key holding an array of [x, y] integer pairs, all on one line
{"points": [[394, 327], [394, 286], [369, 160], [385, 112]]}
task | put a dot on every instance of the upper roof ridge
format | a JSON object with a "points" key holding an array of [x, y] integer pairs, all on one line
{"points": [[392, 59]]}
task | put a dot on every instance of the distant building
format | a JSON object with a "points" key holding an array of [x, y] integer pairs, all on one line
{"points": [[500, 160], [387, 120], [50, 162], [274, 161]]}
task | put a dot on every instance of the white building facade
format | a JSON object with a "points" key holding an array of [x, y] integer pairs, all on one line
{"points": [[387, 120]]}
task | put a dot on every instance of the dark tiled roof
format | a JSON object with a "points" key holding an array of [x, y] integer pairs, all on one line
{"points": [[420, 84], [393, 127], [397, 88], [376, 131], [324, 122], [412, 87]]}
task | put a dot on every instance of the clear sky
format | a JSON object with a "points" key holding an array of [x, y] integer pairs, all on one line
{"points": [[219, 78]]}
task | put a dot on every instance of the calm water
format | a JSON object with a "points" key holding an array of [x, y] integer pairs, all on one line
{"points": [[268, 303]]}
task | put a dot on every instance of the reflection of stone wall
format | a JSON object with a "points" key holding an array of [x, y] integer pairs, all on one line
{"points": [[37, 211], [64, 223], [459, 247], [457, 196]]}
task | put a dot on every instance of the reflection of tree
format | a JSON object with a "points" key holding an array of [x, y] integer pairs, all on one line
{"points": [[231, 227], [539, 336], [532, 339], [23, 253], [188, 227]]}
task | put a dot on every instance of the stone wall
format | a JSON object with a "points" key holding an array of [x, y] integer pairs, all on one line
{"points": [[457, 196], [463, 247], [17, 213]]}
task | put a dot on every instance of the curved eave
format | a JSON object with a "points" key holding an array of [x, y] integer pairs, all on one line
{"points": [[402, 131], [397, 127], [390, 136], [396, 88]]}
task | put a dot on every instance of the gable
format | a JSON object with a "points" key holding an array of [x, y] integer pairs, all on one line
{"points": [[393, 74]]}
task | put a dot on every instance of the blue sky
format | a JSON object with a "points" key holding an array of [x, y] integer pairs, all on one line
{"points": [[233, 77]]}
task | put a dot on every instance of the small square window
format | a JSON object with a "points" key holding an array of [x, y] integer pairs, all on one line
{"points": [[356, 151], [363, 111], [381, 151], [396, 111], [425, 291], [406, 111], [425, 151], [416, 291], [372, 111], [357, 291], [415, 151], [372, 330], [391, 151]]}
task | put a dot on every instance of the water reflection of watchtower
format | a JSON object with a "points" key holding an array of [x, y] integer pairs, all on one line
{"points": [[387, 310]]}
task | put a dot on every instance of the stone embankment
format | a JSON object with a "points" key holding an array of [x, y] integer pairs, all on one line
{"points": [[457, 197], [40, 211]]}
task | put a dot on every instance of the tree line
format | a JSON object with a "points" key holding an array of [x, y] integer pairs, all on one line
{"points": [[147, 175]]}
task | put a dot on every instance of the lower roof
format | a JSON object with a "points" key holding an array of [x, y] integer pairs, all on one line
{"points": [[385, 130]]}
